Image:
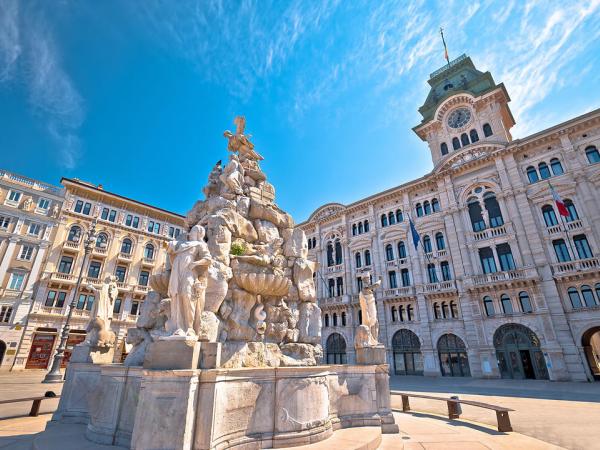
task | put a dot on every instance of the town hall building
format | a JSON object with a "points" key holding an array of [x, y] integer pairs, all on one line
{"points": [[500, 284]]}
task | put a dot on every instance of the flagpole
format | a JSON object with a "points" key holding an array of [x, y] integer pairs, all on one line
{"points": [[445, 47], [562, 219]]}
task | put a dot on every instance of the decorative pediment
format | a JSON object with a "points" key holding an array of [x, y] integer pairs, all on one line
{"points": [[467, 155], [362, 241], [541, 189], [330, 209], [398, 233]]}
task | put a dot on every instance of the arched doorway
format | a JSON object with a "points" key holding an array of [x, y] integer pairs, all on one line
{"points": [[335, 349], [591, 346], [519, 354], [454, 361], [2, 351], [408, 359]]}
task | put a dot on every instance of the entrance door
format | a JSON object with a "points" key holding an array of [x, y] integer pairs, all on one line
{"points": [[454, 361], [41, 351], [591, 347], [527, 364], [519, 354], [406, 349]]}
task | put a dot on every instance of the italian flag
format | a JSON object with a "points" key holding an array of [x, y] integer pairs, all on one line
{"points": [[562, 209]]}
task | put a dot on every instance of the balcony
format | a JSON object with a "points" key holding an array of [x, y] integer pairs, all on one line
{"points": [[125, 256], [337, 300], [436, 254], [406, 291], [491, 233], [565, 269], [81, 313], [96, 282], [336, 268], [71, 245], [63, 277], [148, 261], [440, 286], [123, 286], [364, 269], [50, 310], [99, 251], [140, 289], [560, 228], [495, 278]]}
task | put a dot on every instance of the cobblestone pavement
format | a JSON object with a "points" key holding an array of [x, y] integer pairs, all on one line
{"points": [[562, 413]]}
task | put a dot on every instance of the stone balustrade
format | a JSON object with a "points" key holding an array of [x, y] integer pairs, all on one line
{"points": [[490, 233], [560, 228], [440, 286], [406, 291], [506, 276], [572, 267], [63, 277], [336, 268]]}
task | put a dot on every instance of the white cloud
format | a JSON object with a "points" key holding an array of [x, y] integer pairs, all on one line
{"points": [[9, 38]]}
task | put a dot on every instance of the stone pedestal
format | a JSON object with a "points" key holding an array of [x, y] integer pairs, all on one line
{"points": [[210, 355], [82, 380], [371, 355], [84, 353], [174, 354]]}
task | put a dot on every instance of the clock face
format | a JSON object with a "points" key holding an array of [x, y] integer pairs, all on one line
{"points": [[459, 118]]}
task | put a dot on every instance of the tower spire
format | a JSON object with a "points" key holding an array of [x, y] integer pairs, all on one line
{"points": [[445, 47]]}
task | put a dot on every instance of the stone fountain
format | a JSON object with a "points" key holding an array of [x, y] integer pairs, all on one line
{"points": [[227, 349]]}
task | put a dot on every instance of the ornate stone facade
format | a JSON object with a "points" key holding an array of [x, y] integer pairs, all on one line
{"points": [[500, 285]]}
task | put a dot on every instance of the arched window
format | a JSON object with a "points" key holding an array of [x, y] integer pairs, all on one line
{"points": [[367, 257], [334, 319], [391, 218], [409, 313], [588, 295], [401, 313], [353, 229], [487, 130], [549, 216], [149, 251], [102, 240], [406, 353], [419, 209], [358, 260], [574, 297], [525, 302], [476, 215], [126, 246], [474, 136], [401, 250], [435, 205], [314, 242], [452, 352], [394, 314], [326, 320], [436, 310], [335, 349], [444, 148], [74, 234], [592, 154], [343, 318], [427, 244], [360, 228], [426, 207], [399, 217], [455, 143], [329, 254], [571, 209], [556, 167], [453, 309], [439, 241], [544, 170], [338, 252], [464, 139], [383, 220], [493, 208], [445, 311], [488, 306], [389, 252], [506, 304], [309, 243], [532, 174], [366, 226]]}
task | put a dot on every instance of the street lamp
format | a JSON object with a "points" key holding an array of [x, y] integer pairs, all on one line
{"points": [[54, 376]]}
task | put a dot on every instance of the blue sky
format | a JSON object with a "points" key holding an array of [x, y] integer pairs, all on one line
{"points": [[135, 95]]}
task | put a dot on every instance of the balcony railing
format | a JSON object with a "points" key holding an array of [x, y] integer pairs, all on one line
{"points": [[122, 286], [338, 299], [490, 233], [52, 310], [148, 261], [336, 268], [579, 265], [125, 256], [364, 269], [406, 291], [496, 277], [100, 251], [63, 277], [72, 245], [141, 288], [559, 228], [81, 313], [440, 286]]}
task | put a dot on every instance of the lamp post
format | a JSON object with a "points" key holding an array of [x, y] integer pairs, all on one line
{"points": [[54, 375]]}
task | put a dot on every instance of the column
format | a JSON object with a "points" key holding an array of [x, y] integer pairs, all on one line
{"points": [[35, 269], [8, 254]]}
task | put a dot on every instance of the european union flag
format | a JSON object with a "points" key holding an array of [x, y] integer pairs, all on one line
{"points": [[415, 235]]}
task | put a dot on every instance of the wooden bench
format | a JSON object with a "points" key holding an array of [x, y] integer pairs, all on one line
{"points": [[453, 411], [37, 401]]}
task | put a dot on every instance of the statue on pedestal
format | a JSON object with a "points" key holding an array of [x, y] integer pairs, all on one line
{"points": [[187, 283], [98, 330], [367, 334]]}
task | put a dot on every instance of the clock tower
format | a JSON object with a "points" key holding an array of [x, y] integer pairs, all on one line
{"points": [[465, 108]]}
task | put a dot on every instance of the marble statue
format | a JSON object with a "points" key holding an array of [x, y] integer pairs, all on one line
{"points": [[233, 175], [55, 211], [213, 180], [98, 330], [27, 204], [186, 257], [368, 309]]}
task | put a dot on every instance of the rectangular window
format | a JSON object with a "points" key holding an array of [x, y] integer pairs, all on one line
{"points": [[50, 298], [136, 222], [171, 231], [78, 206], [94, 269], [486, 256], [60, 300], [506, 258], [135, 308], [81, 301], [26, 252], [117, 306], [331, 286], [4, 222], [583, 247], [431, 273], [359, 284], [16, 281], [120, 273], [339, 283], [66, 264], [405, 277], [43, 203], [87, 208], [446, 275], [156, 228], [90, 302], [392, 279], [561, 250], [34, 229], [5, 313], [150, 226], [143, 280], [112, 216], [14, 196], [104, 215], [128, 220]]}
